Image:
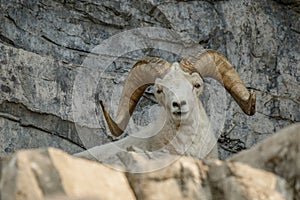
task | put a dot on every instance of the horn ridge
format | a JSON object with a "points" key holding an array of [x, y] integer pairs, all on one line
{"points": [[213, 64], [141, 75]]}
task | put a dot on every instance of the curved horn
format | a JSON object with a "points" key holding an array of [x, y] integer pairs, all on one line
{"points": [[142, 75], [215, 65]]}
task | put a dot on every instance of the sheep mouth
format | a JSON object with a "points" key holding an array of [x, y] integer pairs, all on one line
{"points": [[180, 113]]}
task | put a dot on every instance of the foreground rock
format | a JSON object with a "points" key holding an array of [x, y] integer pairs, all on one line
{"points": [[269, 171], [193, 179], [279, 154], [53, 174], [48, 173]]}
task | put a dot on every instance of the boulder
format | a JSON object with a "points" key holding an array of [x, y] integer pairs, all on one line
{"points": [[279, 154], [51, 173], [203, 180]]}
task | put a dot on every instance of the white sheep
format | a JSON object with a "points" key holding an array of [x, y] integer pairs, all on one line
{"points": [[183, 128]]}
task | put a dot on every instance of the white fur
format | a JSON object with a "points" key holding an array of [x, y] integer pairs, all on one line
{"points": [[188, 133]]}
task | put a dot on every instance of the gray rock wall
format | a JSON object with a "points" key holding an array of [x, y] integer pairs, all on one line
{"points": [[43, 45]]}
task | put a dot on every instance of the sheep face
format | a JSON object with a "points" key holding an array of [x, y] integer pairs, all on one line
{"points": [[178, 93]]}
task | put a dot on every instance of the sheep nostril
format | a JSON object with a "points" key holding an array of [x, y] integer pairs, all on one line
{"points": [[178, 105], [182, 103], [175, 104]]}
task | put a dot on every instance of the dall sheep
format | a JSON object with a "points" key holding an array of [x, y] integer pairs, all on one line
{"points": [[185, 129]]}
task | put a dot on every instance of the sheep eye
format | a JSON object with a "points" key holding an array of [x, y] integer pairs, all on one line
{"points": [[159, 91], [197, 85]]}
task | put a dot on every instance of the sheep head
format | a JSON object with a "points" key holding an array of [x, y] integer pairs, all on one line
{"points": [[177, 92], [152, 70]]}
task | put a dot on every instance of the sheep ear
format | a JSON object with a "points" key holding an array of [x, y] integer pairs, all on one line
{"points": [[196, 75]]}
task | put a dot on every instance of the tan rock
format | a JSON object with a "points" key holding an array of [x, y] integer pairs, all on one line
{"points": [[42, 174], [180, 180], [279, 154], [193, 179], [239, 181], [48, 174]]}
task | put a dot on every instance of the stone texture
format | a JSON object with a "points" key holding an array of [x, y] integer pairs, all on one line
{"points": [[43, 45], [151, 174], [43, 48], [52, 174], [16, 137], [191, 179], [279, 154]]}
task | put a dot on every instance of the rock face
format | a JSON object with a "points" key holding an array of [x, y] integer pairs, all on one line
{"points": [[48, 173], [52, 174], [269, 170], [43, 45], [190, 179], [58, 58], [278, 154]]}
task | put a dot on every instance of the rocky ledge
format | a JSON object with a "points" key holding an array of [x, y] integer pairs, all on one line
{"points": [[270, 170]]}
